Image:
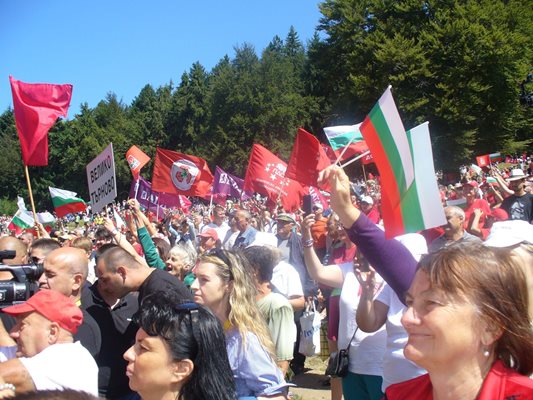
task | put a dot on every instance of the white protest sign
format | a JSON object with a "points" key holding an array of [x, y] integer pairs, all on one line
{"points": [[102, 180]]}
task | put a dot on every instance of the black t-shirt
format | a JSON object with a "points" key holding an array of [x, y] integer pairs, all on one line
{"points": [[159, 281], [118, 334], [520, 208], [89, 335]]}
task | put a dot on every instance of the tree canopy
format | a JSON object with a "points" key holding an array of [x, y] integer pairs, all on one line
{"points": [[457, 64]]}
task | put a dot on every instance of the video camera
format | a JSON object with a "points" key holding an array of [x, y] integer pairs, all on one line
{"points": [[23, 285]]}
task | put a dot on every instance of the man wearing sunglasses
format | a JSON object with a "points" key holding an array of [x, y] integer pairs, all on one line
{"points": [[40, 248]]}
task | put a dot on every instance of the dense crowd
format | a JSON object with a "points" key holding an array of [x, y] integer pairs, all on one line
{"points": [[206, 302]]}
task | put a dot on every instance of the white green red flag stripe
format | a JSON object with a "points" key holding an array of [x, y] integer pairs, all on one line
{"points": [[22, 219], [386, 138], [65, 202], [341, 135], [495, 157], [461, 203], [421, 206], [406, 205]]}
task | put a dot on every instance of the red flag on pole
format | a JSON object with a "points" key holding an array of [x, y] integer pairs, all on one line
{"points": [[181, 174], [308, 158], [266, 175], [37, 107], [483, 161], [136, 160], [368, 159]]}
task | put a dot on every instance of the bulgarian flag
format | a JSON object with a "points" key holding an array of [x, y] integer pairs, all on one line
{"points": [[406, 206], [421, 206], [66, 202], [23, 219], [341, 136]]}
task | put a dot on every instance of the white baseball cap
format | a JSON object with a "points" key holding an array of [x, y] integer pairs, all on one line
{"points": [[509, 233]]}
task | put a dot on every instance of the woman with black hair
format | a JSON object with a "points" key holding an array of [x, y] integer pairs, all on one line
{"points": [[178, 352]]}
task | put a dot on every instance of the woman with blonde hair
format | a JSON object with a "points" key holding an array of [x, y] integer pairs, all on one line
{"points": [[224, 286]]}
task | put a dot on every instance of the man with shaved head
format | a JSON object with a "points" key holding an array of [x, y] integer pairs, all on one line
{"points": [[65, 271], [16, 245]]}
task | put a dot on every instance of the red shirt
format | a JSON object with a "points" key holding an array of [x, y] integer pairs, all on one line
{"points": [[319, 231], [469, 213], [501, 383]]}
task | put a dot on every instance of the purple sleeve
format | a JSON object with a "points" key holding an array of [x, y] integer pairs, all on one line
{"points": [[389, 257]]}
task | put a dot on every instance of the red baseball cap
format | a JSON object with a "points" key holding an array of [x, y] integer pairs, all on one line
{"points": [[210, 233], [472, 183], [52, 305]]}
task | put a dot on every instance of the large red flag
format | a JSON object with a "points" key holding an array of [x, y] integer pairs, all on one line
{"points": [[308, 158], [266, 175], [37, 107], [181, 174], [136, 160]]}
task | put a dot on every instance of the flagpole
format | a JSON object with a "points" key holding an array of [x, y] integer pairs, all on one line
{"points": [[211, 204], [355, 159], [344, 150], [364, 172], [31, 198], [136, 187]]}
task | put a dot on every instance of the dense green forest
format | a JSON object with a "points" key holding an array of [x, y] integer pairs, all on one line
{"points": [[457, 64]]}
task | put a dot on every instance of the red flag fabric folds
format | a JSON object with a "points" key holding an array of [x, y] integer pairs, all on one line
{"points": [[136, 160], [181, 174], [37, 107], [483, 161], [368, 159], [266, 175], [308, 158]]}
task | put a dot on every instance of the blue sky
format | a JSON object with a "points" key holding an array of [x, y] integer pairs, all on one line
{"points": [[119, 46]]}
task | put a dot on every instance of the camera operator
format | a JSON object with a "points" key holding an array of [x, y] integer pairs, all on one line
{"points": [[16, 245]]}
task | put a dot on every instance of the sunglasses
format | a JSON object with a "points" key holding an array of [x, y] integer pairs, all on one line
{"points": [[36, 260], [192, 310], [218, 253]]}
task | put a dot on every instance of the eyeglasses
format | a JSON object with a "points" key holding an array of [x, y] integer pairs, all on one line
{"points": [[191, 309], [36, 260]]}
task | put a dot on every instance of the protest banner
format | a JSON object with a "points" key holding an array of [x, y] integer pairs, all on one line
{"points": [[102, 180]]}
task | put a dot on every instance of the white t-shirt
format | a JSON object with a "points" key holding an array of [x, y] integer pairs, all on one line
{"points": [[221, 230], [229, 240], [366, 349], [286, 280], [63, 366], [396, 368]]}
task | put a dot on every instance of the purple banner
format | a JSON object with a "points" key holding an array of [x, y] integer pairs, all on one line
{"points": [[228, 185], [149, 199]]}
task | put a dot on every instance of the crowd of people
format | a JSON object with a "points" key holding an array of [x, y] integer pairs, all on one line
{"points": [[205, 303]]}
